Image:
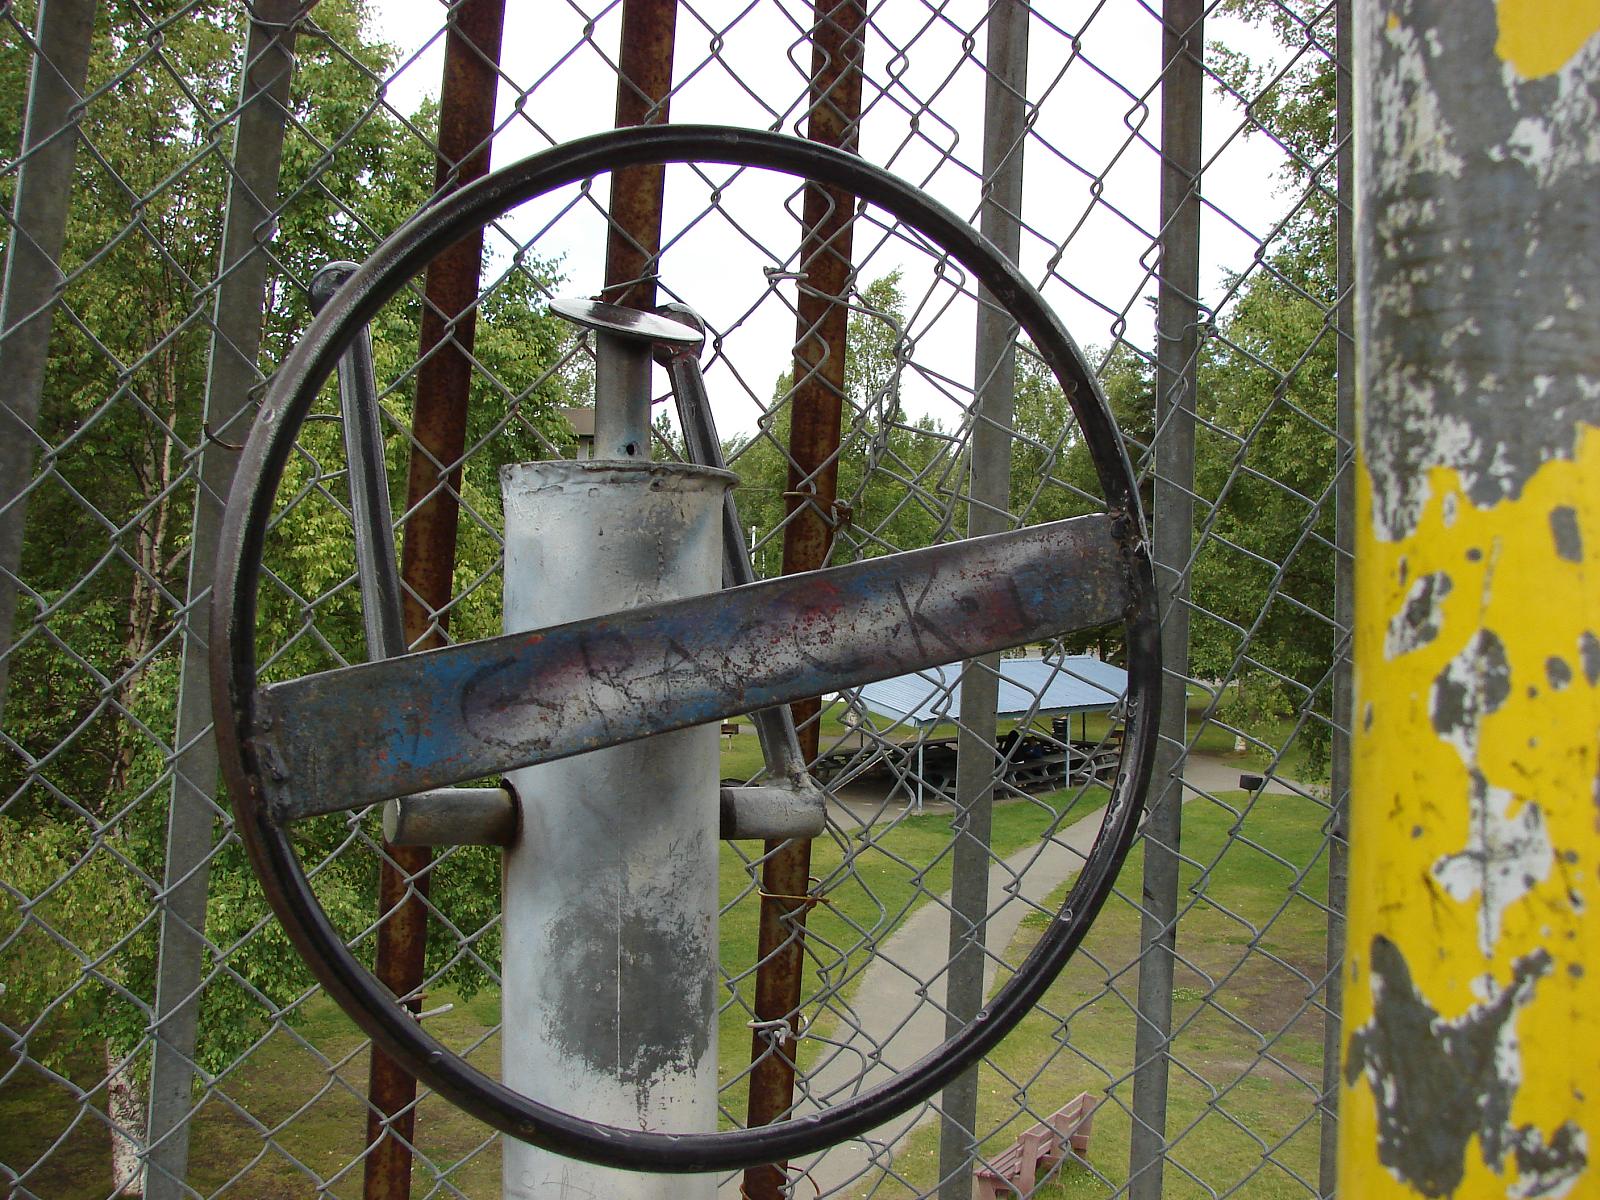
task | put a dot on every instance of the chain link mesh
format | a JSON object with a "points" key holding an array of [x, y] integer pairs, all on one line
{"points": [[116, 462]]}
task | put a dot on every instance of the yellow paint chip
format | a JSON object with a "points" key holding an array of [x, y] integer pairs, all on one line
{"points": [[1525, 570], [1539, 37]]}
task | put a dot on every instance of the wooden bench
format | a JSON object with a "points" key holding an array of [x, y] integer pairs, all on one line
{"points": [[1038, 1150]]}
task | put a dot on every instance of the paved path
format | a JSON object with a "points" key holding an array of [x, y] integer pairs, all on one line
{"points": [[896, 1024]]}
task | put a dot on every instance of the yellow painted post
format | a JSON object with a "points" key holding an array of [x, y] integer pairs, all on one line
{"points": [[1472, 1000]]}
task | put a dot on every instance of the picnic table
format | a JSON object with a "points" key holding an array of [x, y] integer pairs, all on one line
{"points": [[1027, 761], [1038, 1150]]}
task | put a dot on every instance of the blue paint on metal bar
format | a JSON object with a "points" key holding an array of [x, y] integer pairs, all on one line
{"points": [[344, 738]]}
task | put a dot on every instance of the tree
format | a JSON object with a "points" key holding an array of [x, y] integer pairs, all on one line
{"points": [[83, 805], [899, 481], [1268, 404]]}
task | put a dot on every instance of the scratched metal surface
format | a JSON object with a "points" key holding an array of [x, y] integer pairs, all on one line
{"points": [[116, 930], [433, 719]]}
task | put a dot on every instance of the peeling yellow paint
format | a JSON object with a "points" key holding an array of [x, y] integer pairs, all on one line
{"points": [[1539, 37], [1410, 802]]}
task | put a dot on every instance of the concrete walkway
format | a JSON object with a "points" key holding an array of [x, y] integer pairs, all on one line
{"points": [[895, 1022]]}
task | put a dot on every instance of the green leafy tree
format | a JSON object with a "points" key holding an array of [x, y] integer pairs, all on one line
{"points": [[899, 478], [84, 784]]}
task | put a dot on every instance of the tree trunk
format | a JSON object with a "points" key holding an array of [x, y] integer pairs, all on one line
{"points": [[125, 1106]]}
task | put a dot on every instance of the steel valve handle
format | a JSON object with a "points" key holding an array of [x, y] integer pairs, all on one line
{"points": [[429, 720]]}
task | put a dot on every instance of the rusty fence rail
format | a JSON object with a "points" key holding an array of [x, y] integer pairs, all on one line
{"points": [[1174, 178]]}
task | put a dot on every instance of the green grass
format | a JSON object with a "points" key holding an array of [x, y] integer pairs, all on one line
{"points": [[307, 1084], [873, 883], [1082, 1037]]}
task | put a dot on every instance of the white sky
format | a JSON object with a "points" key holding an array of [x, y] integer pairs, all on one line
{"points": [[745, 64]]}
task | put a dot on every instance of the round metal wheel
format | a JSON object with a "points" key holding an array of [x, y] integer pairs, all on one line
{"points": [[428, 720]]}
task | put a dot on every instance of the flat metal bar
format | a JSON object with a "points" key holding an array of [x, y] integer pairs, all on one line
{"points": [[231, 383], [33, 280], [1172, 536], [441, 717], [1004, 133]]}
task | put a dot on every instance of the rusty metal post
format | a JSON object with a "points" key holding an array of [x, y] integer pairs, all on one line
{"points": [[815, 407], [232, 377], [1172, 531], [439, 426], [644, 83], [1472, 991], [33, 279], [1005, 130]]}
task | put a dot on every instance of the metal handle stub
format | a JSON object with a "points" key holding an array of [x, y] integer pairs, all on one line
{"points": [[453, 817]]}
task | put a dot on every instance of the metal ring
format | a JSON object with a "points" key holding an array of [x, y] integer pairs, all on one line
{"points": [[233, 667]]}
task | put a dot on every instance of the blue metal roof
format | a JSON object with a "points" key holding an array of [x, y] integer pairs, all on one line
{"points": [[1074, 683]]}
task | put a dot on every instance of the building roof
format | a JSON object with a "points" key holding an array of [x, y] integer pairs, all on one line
{"points": [[1029, 687]]}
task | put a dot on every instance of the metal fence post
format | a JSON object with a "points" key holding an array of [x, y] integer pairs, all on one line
{"points": [[1172, 518], [1343, 609], [470, 79], [1472, 1001], [33, 279], [232, 377], [644, 84], [838, 46], [1004, 132]]}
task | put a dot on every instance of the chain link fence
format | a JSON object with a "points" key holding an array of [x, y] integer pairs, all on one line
{"points": [[1173, 178]]}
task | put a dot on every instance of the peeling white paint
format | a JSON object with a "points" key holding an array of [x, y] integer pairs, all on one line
{"points": [[1506, 857], [1560, 136], [1412, 134]]}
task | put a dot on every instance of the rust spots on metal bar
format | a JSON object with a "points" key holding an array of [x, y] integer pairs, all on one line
{"points": [[466, 125], [644, 84], [816, 404], [430, 720]]}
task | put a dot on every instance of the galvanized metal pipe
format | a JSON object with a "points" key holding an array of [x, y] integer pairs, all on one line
{"points": [[33, 279], [621, 398], [610, 895], [838, 44], [994, 372], [439, 425], [231, 382], [1172, 520], [1472, 995]]}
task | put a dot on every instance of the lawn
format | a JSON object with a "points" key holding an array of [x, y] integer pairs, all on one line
{"points": [[1248, 1056], [306, 1084]]}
